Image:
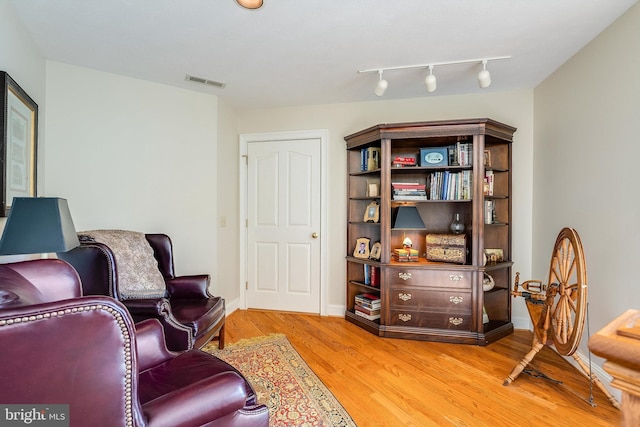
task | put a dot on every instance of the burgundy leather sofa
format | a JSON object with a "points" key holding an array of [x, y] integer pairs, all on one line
{"points": [[189, 314], [57, 347]]}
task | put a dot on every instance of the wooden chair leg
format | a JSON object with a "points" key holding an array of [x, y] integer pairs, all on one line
{"points": [[221, 337]]}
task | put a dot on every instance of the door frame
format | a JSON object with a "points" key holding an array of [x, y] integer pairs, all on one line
{"points": [[245, 140]]}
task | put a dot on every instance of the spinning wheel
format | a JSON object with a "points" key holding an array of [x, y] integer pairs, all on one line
{"points": [[558, 308]]}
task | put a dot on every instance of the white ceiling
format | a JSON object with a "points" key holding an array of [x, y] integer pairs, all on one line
{"points": [[297, 52]]}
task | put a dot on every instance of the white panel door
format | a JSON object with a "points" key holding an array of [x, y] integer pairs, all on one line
{"points": [[283, 256]]}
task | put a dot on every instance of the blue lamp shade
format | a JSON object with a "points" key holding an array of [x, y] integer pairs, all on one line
{"points": [[38, 225], [407, 217]]}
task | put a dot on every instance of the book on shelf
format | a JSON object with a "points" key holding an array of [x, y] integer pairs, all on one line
{"points": [[371, 275], [488, 183], [367, 310], [366, 316], [460, 154], [367, 275], [408, 191], [405, 255], [368, 300], [489, 212], [446, 185], [401, 162]]}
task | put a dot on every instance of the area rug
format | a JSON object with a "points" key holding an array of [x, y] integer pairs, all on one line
{"points": [[284, 382]]}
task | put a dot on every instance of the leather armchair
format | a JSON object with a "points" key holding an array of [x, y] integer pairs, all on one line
{"points": [[88, 353], [189, 314]]}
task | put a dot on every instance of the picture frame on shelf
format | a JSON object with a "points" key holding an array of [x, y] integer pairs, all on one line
{"points": [[493, 255], [372, 212], [362, 249], [487, 158], [376, 251], [19, 128], [373, 188]]}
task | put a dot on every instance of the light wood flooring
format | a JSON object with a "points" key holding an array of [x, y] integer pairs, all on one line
{"points": [[392, 382]]}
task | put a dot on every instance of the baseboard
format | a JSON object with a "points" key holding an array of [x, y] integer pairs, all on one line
{"points": [[600, 373], [336, 310], [522, 323], [231, 306]]}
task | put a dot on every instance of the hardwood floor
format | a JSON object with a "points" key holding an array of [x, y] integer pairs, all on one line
{"points": [[391, 382]]}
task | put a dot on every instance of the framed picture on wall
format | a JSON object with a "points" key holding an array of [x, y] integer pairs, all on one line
{"points": [[19, 129]]}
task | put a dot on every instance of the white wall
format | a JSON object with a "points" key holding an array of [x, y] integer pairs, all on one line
{"points": [[22, 60], [586, 166], [228, 271], [513, 108], [135, 155]]}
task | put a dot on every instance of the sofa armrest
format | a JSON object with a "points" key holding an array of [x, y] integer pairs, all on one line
{"points": [[150, 344], [178, 336], [83, 347], [209, 399], [148, 307], [189, 287]]}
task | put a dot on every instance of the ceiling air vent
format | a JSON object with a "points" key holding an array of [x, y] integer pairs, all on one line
{"points": [[204, 81]]}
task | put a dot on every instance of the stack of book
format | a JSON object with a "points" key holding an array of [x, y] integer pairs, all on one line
{"points": [[408, 191], [367, 306], [401, 162], [405, 255]]}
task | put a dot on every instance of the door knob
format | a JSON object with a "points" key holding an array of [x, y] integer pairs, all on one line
{"points": [[314, 235]]}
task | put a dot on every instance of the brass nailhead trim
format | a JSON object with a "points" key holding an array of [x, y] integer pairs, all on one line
{"points": [[123, 328]]}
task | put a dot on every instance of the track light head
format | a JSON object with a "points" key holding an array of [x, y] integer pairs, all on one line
{"points": [[430, 80], [381, 86], [484, 77]]}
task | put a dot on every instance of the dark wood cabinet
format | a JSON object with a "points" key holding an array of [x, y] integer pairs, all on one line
{"points": [[423, 299]]}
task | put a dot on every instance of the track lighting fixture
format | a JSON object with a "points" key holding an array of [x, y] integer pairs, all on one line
{"points": [[430, 80], [250, 4], [484, 77], [381, 86]]}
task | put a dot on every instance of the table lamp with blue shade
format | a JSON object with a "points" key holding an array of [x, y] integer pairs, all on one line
{"points": [[38, 225]]}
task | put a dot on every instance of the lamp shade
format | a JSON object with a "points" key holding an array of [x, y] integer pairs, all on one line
{"points": [[407, 217], [484, 79], [38, 225]]}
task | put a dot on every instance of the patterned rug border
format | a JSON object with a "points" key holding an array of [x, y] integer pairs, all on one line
{"points": [[321, 399]]}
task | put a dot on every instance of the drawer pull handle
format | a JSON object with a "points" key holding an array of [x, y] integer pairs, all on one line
{"points": [[456, 277], [457, 321], [404, 297], [404, 276], [455, 300], [404, 317]]}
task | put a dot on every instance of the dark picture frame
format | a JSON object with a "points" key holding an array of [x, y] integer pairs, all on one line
{"points": [[19, 150]]}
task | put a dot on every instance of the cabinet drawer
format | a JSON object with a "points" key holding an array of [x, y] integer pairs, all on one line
{"points": [[431, 278], [419, 298], [430, 320]]}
